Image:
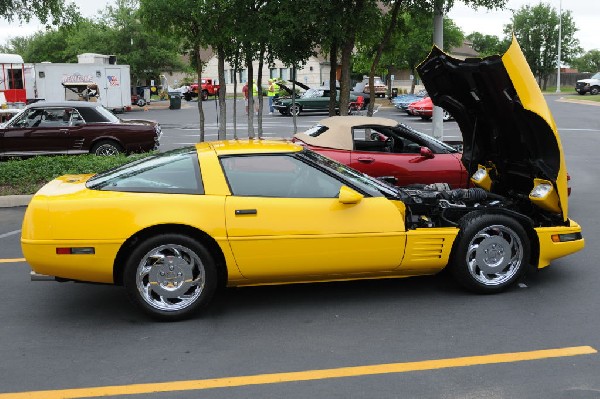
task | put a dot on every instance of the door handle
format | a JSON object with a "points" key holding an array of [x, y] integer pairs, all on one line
{"points": [[246, 212], [64, 131], [365, 159]]}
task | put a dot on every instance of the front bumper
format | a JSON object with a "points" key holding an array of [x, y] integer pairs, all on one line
{"points": [[552, 248]]}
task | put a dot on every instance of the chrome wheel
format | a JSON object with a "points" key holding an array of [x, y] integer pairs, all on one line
{"points": [[490, 252], [294, 109], [170, 277], [494, 255], [106, 148]]}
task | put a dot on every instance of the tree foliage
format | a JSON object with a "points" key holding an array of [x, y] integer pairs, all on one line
{"points": [[589, 62], [118, 31], [53, 12], [487, 45], [536, 29]]}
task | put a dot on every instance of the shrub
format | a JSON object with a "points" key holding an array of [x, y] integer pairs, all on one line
{"points": [[26, 176]]}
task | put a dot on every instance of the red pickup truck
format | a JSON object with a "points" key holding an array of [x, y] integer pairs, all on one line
{"points": [[207, 88]]}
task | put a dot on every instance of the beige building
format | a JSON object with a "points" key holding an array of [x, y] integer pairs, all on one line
{"points": [[314, 73]]}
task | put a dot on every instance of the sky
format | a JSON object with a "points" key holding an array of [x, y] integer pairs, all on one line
{"points": [[586, 14]]}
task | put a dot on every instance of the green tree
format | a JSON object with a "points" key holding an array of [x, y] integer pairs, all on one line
{"points": [[536, 29], [589, 62], [183, 20], [47, 11], [122, 32], [487, 45]]}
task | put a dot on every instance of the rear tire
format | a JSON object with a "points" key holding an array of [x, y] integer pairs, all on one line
{"points": [[170, 276], [106, 148], [490, 253], [594, 90], [204, 95]]}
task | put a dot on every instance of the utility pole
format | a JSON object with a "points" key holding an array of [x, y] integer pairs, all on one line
{"points": [[438, 40]]}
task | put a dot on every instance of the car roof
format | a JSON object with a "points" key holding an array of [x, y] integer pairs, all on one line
{"points": [[338, 133], [71, 104], [248, 146]]}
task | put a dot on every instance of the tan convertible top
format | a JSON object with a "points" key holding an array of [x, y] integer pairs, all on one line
{"points": [[339, 132]]}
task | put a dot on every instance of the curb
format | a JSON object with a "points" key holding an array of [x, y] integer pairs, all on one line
{"points": [[578, 101], [8, 201]]}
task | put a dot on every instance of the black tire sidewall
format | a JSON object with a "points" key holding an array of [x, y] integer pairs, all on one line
{"points": [[134, 258], [471, 225]]}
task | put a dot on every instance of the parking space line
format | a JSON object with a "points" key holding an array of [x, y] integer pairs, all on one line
{"points": [[10, 233], [14, 260], [309, 375]]}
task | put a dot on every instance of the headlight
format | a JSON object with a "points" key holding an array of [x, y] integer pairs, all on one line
{"points": [[481, 178], [544, 195], [541, 190]]}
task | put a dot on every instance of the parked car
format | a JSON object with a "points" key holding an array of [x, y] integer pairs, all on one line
{"points": [[591, 85], [75, 127], [384, 148], [380, 87], [312, 100], [405, 100], [424, 109], [247, 212]]}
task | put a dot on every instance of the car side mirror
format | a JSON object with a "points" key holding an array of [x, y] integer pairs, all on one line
{"points": [[349, 196], [426, 152]]}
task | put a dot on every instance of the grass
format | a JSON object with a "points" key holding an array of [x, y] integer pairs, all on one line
{"points": [[26, 176]]}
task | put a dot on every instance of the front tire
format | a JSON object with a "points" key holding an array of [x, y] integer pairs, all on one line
{"points": [[141, 102], [170, 276], [294, 110], [594, 90], [490, 253]]}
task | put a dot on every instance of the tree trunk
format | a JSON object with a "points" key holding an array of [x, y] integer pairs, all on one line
{"points": [[199, 74], [384, 41], [347, 48], [261, 58], [333, 77], [222, 134], [235, 72], [250, 94]]}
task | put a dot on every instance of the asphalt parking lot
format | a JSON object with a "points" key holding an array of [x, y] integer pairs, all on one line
{"points": [[410, 338]]}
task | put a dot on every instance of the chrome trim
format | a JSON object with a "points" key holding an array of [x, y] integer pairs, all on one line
{"points": [[40, 277]]}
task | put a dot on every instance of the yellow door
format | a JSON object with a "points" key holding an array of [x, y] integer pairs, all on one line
{"points": [[277, 237]]}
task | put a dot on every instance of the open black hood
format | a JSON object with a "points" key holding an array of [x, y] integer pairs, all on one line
{"points": [[504, 119]]}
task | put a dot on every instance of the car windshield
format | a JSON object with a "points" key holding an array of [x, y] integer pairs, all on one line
{"points": [[359, 180], [596, 76], [312, 93], [110, 117]]}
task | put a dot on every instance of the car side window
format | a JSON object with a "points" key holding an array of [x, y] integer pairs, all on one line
{"points": [[278, 175], [29, 119], [173, 172], [369, 139]]}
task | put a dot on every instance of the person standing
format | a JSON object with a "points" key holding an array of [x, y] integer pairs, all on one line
{"points": [[245, 93], [272, 93], [255, 97]]}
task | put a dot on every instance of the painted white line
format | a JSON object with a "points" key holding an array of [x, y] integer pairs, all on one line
{"points": [[10, 233]]}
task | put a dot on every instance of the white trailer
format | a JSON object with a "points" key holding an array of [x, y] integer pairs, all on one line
{"points": [[62, 81]]}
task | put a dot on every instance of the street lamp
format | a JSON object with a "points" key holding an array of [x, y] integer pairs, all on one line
{"points": [[559, 44]]}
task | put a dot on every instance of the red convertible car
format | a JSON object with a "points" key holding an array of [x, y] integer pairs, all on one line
{"points": [[384, 148], [424, 109]]}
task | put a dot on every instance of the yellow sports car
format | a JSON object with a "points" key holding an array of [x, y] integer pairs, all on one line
{"points": [[173, 227]]}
